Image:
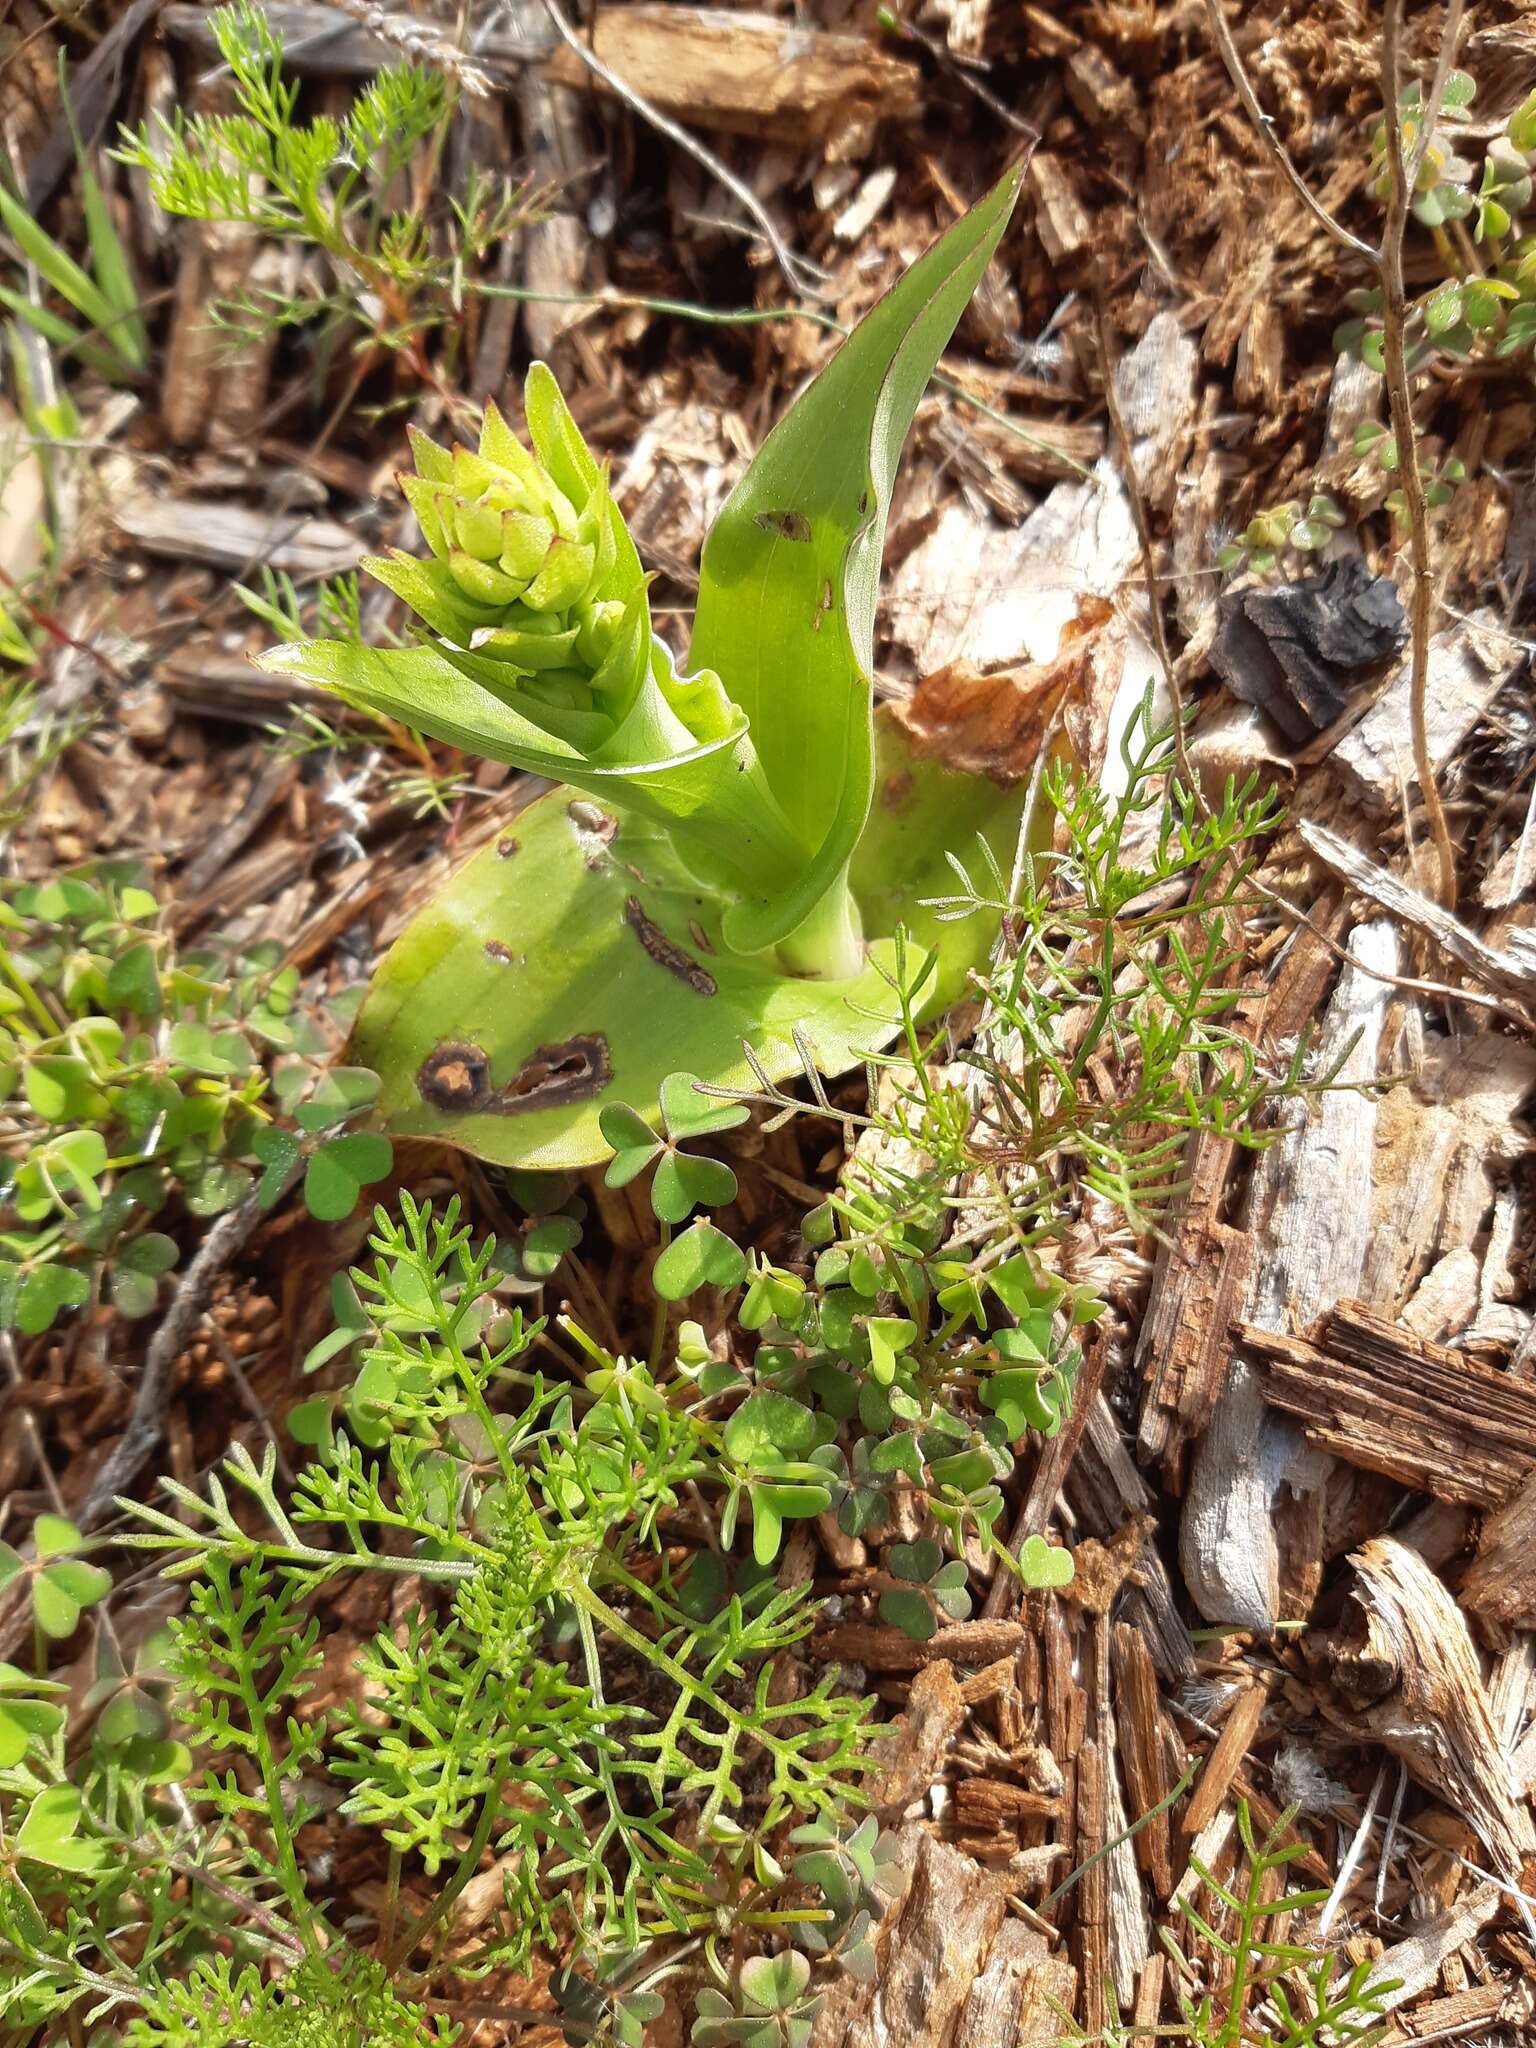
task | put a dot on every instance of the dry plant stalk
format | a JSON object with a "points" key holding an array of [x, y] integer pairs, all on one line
{"points": [[1387, 262]]}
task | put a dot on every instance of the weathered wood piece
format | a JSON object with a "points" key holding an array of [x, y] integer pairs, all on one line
{"points": [[1499, 1590], [748, 74], [1508, 974], [1381, 1398], [1255, 1492], [943, 1932], [1412, 1678], [1468, 664], [1009, 2004], [233, 536]]}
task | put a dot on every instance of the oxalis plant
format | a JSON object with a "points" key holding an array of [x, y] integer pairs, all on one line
{"points": [[734, 844]]}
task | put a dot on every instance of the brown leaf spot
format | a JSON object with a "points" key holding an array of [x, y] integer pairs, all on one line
{"points": [[455, 1078], [787, 525], [572, 1071], [896, 790], [664, 953]]}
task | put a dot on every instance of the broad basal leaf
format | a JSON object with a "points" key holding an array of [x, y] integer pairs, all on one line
{"points": [[791, 566]]}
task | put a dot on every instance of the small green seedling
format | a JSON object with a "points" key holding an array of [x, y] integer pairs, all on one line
{"points": [[735, 845], [61, 1583]]}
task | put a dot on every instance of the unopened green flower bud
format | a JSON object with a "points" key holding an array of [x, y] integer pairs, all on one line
{"points": [[533, 588]]}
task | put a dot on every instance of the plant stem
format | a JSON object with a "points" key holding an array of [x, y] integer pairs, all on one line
{"points": [[1394, 308], [659, 1316], [829, 946]]}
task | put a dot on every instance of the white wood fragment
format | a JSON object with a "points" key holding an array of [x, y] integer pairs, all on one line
{"points": [[1468, 664], [238, 537], [1311, 1226]]}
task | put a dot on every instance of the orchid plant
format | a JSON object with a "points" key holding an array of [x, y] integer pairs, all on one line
{"points": [[735, 845]]}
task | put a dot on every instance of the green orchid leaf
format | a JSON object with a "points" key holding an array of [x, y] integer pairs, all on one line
{"points": [[572, 964], [792, 564]]}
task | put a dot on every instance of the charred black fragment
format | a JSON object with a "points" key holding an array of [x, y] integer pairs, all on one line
{"points": [[787, 525], [664, 953], [455, 1078], [1305, 652], [573, 1071]]}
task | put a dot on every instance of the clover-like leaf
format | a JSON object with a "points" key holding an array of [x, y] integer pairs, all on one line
{"points": [[686, 1113], [137, 1269], [279, 1153], [909, 1612], [50, 1833], [889, 1336], [685, 1182], [775, 1983], [32, 1300], [634, 1143], [1044, 1566], [546, 1244], [769, 1426], [701, 1257], [915, 1562], [340, 1169], [339, 1094]]}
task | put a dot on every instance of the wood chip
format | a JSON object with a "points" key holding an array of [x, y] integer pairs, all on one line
{"points": [[1255, 1491], [1505, 973], [944, 1931], [239, 537], [1413, 1678], [749, 74], [1388, 1401], [1468, 665]]}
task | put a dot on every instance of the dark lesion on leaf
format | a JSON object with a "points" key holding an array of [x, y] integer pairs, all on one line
{"points": [[455, 1078], [572, 1071], [664, 952], [787, 525]]}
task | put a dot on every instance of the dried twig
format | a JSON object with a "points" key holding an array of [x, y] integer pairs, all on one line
{"points": [[1394, 316], [1387, 262], [1138, 503], [1269, 136], [146, 1424], [418, 43], [802, 276]]}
